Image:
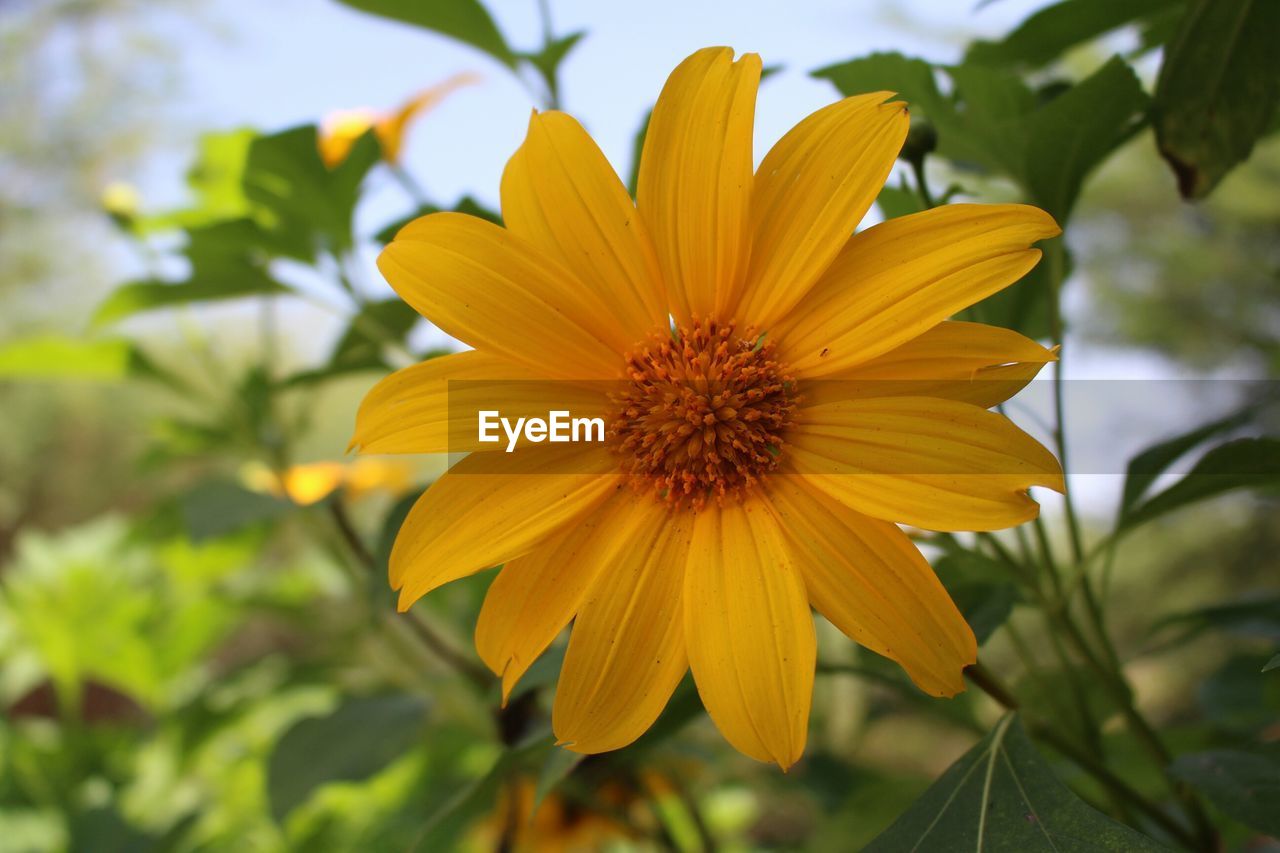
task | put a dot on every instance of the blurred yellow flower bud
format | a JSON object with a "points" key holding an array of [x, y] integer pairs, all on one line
{"points": [[121, 200], [340, 129]]}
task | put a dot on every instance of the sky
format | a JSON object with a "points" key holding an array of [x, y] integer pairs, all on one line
{"points": [[292, 61]]}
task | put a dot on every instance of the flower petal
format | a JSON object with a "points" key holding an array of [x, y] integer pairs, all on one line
{"points": [[751, 639], [627, 652], [494, 507], [491, 289], [898, 279], [392, 128], [810, 192], [560, 193], [932, 463], [872, 583], [695, 180], [408, 411], [969, 362], [533, 598]]}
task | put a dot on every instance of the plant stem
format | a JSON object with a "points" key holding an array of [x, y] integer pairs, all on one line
{"points": [[424, 631]]}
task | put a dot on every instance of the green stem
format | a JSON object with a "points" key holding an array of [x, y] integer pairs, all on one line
{"points": [[922, 183], [423, 630]]}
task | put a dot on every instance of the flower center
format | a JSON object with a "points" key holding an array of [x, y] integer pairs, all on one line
{"points": [[702, 412]]}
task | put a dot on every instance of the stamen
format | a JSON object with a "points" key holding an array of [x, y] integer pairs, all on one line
{"points": [[703, 414]]}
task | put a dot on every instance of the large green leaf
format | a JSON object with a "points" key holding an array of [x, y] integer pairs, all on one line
{"points": [[1218, 89], [1001, 796], [1073, 133], [993, 122], [306, 206], [466, 21], [1051, 31], [361, 737], [1239, 464], [1245, 786], [227, 262], [1147, 466]]}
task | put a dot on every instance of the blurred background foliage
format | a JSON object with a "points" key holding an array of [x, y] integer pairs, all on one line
{"points": [[198, 649]]}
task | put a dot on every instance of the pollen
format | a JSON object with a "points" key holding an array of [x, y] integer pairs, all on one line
{"points": [[702, 413]]}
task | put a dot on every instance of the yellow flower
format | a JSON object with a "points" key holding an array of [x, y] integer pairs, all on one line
{"points": [[780, 394], [311, 482], [560, 824], [341, 128]]}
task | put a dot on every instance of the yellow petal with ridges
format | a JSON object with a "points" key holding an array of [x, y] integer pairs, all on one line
{"points": [[750, 634], [533, 598], [560, 193], [810, 192], [694, 186], [969, 362], [491, 289], [872, 583], [408, 411], [494, 507], [933, 463], [896, 280], [627, 651]]}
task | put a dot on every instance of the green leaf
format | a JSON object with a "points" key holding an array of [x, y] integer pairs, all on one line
{"points": [[216, 181], [58, 357], [1239, 464], [466, 21], [1075, 132], [547, 61], [1258, 617], [1245, 786], [980, 589], [361, 344], [1274, 663], [979, 142], [306, 206], [49, 357], [1218, 89], [1055, 29], [1001, 796], [218, 507], [1145, 468], [898, 201], [558, 765], [447, 825], [1236, 698], [227, 262], [357, 740], [993, 122]]}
